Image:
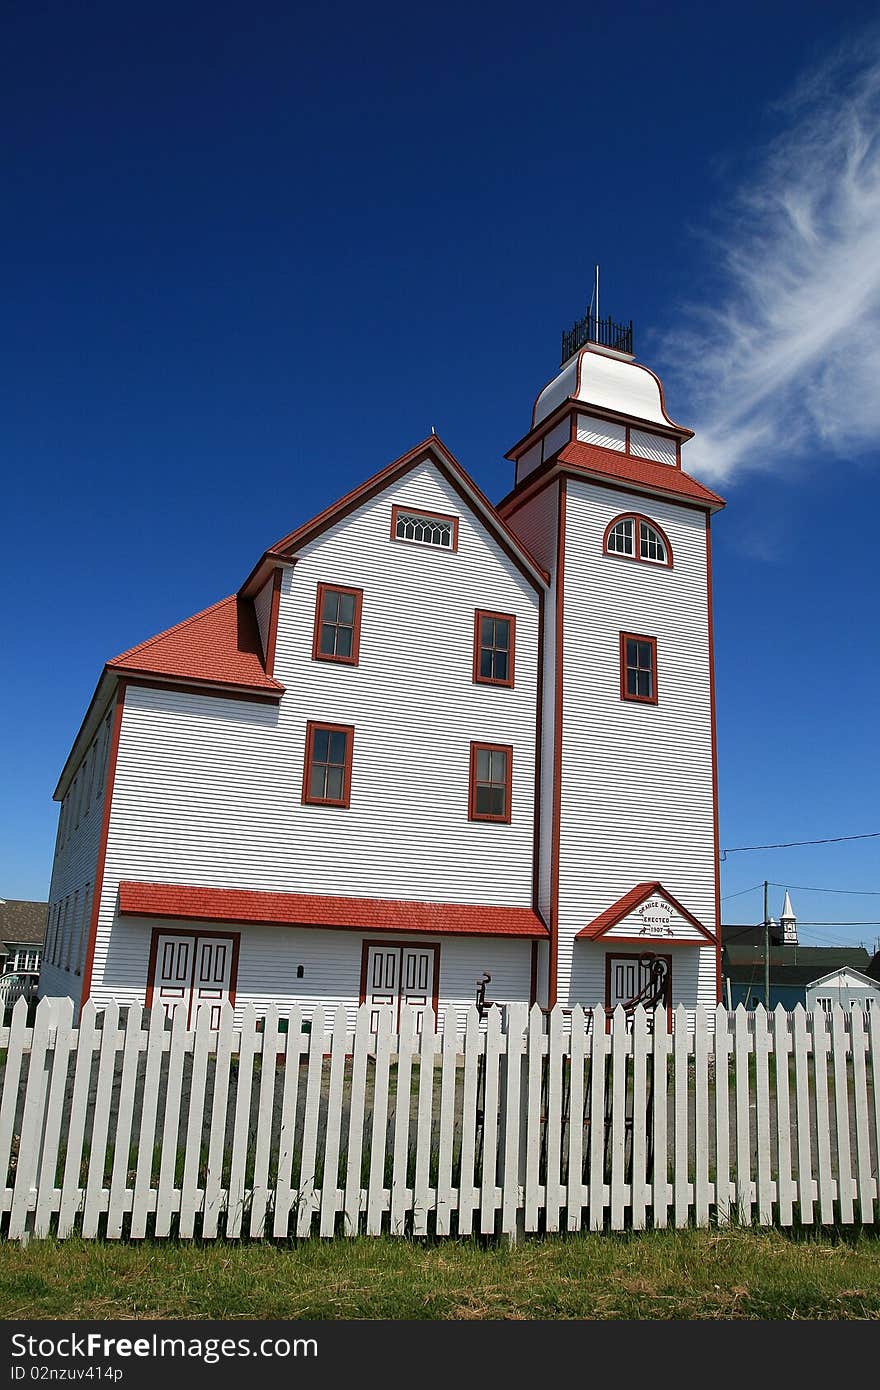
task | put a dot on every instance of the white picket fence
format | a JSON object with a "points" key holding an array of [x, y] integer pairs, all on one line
{"points": [[532, 1122]]}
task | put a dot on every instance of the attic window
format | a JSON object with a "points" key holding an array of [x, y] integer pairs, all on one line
{"points": [[424, 528], [634, 537]]}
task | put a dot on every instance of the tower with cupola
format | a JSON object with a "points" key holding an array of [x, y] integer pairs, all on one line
{"points": [[628, 841]]}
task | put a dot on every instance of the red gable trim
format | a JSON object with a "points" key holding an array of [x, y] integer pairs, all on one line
{"points": [[334, 913], [657, 477], [627, 904], [431, 448]]}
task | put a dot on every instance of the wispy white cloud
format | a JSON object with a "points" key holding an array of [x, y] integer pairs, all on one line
{"points": [[789, 356]]}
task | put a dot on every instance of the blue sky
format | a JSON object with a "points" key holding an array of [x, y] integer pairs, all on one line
{"points": [[252, 253]]}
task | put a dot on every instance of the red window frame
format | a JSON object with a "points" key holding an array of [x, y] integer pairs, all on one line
{"points": [[358, 595], [624, 694], [479, 615], [431, 516], [313, 727], [473, 814], [635, 518]]}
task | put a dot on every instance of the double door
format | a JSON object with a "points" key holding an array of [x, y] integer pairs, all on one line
{"points": [[193, 972], [401, 982]]}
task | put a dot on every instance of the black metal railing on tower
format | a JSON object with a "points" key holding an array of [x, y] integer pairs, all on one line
{"points": [[603, 332]]}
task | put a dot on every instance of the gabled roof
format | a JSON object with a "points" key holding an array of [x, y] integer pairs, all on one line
{"points": [[22, 920], [336, 913], [846, 970], [219, 646], [627, 904], [658, 478], [432, 449]]}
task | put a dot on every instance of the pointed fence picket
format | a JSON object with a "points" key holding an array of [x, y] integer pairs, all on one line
{"points": [[523, 1122]]}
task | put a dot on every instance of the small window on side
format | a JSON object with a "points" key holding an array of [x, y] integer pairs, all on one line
{"points": [[490, 782], [638, 668], [337, 635], [494, 636], [327, 764]]}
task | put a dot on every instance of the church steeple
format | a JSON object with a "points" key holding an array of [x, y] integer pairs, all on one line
{"points": [[788, 921]]}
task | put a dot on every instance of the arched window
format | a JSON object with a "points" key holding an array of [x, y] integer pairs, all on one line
{"points": [[634, 537]]}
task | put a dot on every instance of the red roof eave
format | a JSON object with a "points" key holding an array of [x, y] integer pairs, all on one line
{"points": [[656, 477], [334, 913], [627, 904]]}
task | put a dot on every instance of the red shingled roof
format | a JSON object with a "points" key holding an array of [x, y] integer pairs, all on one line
{"points": [[631, 900], [220, 645], [314, 910], [659, 477]]}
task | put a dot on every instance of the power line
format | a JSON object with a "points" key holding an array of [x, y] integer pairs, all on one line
{"points": [[795, 844], [802, 888], [744, 890]]}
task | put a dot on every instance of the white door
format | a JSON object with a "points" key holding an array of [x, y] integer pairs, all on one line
{"points": [[399, 982], [383, 980], [173, 979], [416, 984], [193, 972]]}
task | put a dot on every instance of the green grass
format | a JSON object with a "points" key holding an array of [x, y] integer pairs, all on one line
{"points": [[676, 1274]]}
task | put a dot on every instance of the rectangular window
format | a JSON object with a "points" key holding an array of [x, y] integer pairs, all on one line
{"points": [[327, 775], [490, 782], [493, 647], [424, 528], [337, 624], [638, 668], [823, 1003]]}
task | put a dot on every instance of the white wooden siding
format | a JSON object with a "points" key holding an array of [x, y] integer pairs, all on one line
{"points": [[557, 438], [606, 433], [693, 970], [637, 779], [208, 790], [263, 610], [73, 876], [652, 446], [528, 461]]}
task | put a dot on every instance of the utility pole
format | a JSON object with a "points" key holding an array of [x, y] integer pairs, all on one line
{"points": [[766, 948]]}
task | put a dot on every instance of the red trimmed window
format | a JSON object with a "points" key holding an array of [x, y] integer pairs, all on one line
{"points": [[494, 635], [634, 537], [327, 773], [433, 529], [337, 624], [490, 782], [638, 668]]}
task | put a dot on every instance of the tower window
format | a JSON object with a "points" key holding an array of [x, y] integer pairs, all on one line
{"points": [[337, 624], [634, 537], [424, 528], [638, 668], [493, 648]]}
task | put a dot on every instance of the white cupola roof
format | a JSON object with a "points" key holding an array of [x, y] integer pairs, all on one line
{"points": [[608, 380]]}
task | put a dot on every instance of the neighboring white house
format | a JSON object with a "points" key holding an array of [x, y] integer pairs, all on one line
{"points": [[427, 739], [848, 988]]}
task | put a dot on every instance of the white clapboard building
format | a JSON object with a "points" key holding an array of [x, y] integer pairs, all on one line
{"points": [[428, 740]]}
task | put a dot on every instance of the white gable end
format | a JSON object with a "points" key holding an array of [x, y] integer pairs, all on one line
{"points": [[656, 919]]}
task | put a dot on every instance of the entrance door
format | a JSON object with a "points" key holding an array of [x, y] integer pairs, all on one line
{"points": [[399, 981], [627, 975], [192, 972]]}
